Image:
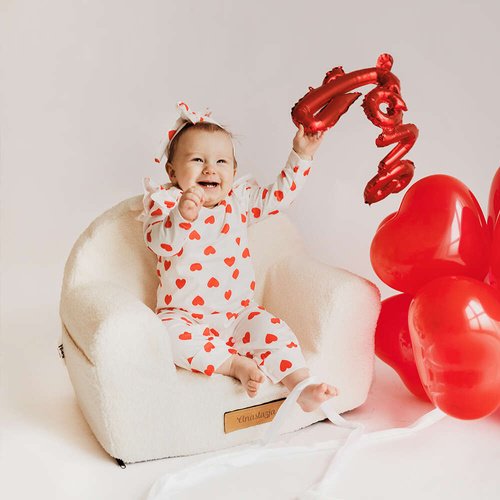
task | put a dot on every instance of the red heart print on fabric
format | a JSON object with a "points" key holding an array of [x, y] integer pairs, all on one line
{"points": [[230, 315], [229, 261], [232, 351], [212, 283], [165, 247], [271, 338], [245, 303], [238, 241], [248, 355], [253, 314], [194, 235], [225, 229], [275, 320], [169, 204], [185, 225], [168, 299], [285, 364], [306, 173], [230, 342], [264, 355], [210, 220], [187, 321], [295, 169], [292, 344], [279, 195], [167, 265], [252, 285], [264, 194], [283, 174], [148, 237], [256, 212], [208, 346], [236, 273], [246, 253], [229, 209], [168, 223], [185, 336], [180, 252], [210, 369], [214, 332], [156, 212], [196, 267], [243, 218], [246, 338], [293, 187], [274, 212], [206, 332], [209, 250], [190, 359], [198, 301], [180, 283], [227, 295], [197, 316]]}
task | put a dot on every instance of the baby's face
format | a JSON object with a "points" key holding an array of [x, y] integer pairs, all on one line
{"points": [[204, 159]]}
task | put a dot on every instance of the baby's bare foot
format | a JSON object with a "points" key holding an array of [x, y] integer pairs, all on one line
{"points": [[246, 370], [315, 394]]}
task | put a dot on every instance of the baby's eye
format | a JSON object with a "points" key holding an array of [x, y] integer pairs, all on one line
{"points": [[222, 161], [197, 159]]}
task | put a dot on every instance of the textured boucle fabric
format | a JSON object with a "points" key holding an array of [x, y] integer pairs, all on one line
{"points": [[139, 405]]}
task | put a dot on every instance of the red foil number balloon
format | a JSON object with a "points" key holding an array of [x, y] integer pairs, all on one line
{"points": [[321, 108]]}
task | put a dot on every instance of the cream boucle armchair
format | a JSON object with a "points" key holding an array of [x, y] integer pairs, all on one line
{"points": [[139, 405]]}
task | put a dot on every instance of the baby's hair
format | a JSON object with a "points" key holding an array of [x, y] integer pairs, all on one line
{"points": [[207, 126]]}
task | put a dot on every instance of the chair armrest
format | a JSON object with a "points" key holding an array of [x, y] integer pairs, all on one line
{"points": [[317, 300], [107, 322]]}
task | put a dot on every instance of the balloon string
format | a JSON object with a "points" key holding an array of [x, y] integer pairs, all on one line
{"points": [[180, 481]]}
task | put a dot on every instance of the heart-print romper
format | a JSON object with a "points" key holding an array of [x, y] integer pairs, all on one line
{"points": [[206, 291]]}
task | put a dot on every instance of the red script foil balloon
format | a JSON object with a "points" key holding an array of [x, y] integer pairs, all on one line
{"points": [[439, 230], [321, 108], [393, 342], [455, 330]]}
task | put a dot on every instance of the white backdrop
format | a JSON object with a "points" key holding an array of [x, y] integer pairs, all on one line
{"points": [[89, 89]]}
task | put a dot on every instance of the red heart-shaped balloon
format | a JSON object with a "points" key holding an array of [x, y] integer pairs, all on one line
{"points": [[393, 342], [495, 255], [439, 230], [494, 201], [455, 331]]}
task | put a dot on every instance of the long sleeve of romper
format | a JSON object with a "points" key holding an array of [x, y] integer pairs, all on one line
{"points": [[270, 200], [165, 230]]}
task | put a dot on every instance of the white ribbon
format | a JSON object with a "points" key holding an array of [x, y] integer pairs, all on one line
{"points": [[187, 115], [182, 480]]}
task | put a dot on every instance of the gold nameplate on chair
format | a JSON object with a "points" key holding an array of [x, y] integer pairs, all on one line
{"points": [[253, 415]]}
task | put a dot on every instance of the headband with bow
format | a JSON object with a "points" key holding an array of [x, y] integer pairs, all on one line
{"points": [[186, 116]]}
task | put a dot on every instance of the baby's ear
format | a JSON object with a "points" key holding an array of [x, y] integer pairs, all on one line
{"points": [[170, 171]]}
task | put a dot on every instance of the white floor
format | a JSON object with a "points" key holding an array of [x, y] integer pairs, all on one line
{"points": [[48, 451]]}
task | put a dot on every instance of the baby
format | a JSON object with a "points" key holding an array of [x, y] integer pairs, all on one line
{"points": [[197, 226]]}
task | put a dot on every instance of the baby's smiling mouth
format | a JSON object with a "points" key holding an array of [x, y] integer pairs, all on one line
{"points": [[210, 185]]}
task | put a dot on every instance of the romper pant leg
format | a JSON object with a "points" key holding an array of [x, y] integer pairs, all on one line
{"points": [[195, 346], [269, 341]]}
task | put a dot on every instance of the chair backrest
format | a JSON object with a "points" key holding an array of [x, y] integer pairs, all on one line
{"points": [[112, 248]]}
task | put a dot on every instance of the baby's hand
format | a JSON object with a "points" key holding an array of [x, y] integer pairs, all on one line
{"points": [[305, 145], [190, 203]]}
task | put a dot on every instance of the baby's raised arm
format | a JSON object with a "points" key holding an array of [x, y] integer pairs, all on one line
{"points": [[270, 200]]}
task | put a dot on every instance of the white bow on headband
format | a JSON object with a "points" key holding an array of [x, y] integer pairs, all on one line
{"points": [[186, 116]]}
